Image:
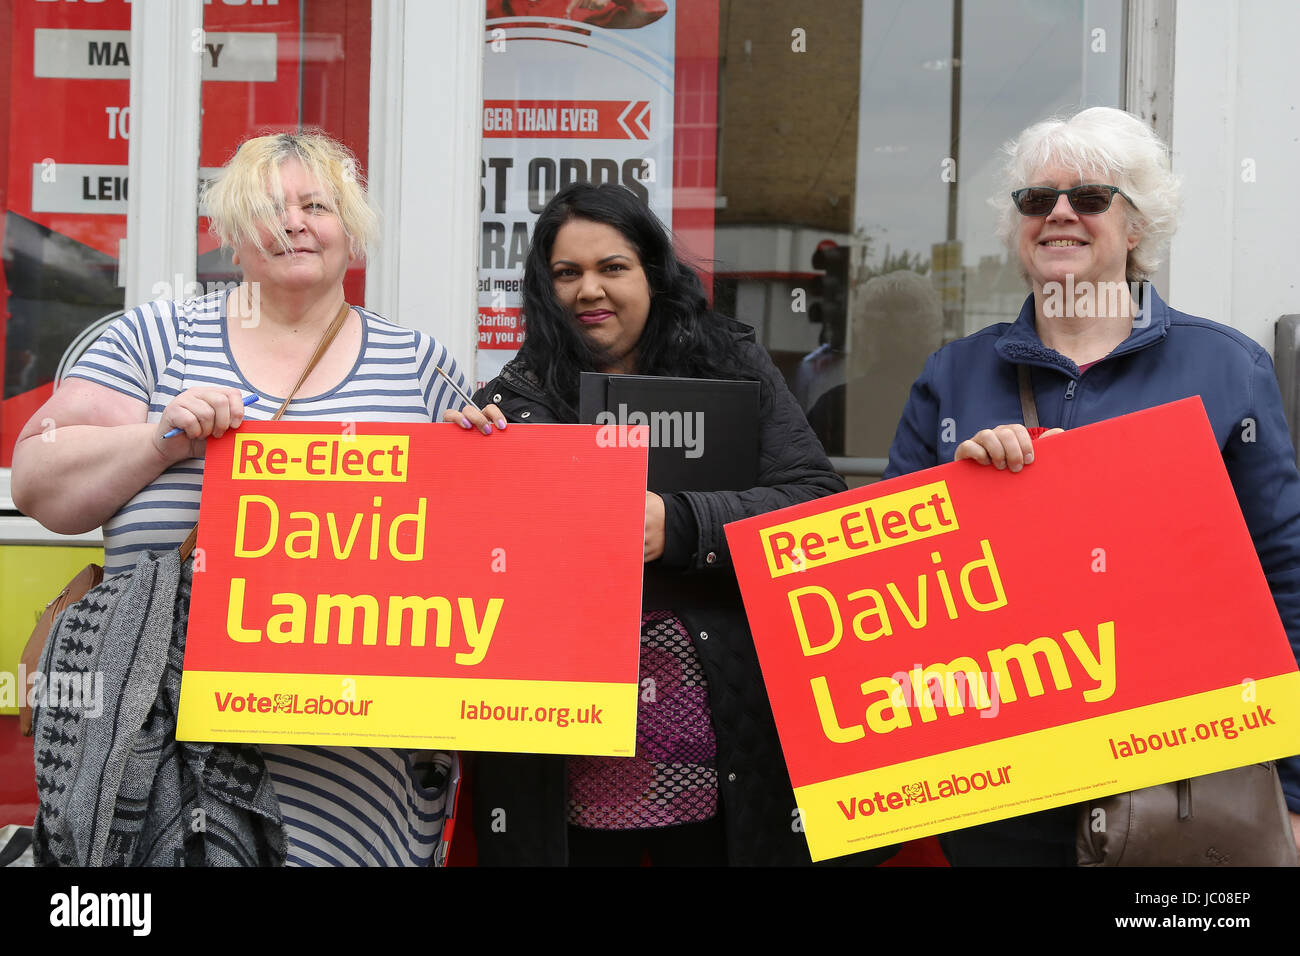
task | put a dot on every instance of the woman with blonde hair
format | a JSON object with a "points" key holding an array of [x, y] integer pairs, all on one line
{"points": [[134, 412]]}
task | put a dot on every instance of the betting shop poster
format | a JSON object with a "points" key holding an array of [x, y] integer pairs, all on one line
{"points": [[266, 64], [398, 585], [570, 93], [964, 645]]}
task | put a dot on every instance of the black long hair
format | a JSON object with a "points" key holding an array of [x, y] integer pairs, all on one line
{"points": [[682, 336]]}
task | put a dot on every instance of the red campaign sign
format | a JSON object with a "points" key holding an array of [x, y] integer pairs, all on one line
{"points": [[463, 503], [384, 584], [1084, 604], [94, 116], [566, 119]]}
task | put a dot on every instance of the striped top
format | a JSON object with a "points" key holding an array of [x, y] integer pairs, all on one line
{"points": [[341, 805], [156, 351]]}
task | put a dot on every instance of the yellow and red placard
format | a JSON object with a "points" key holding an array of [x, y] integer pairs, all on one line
{"points": [[417, 586], [963, 645]]}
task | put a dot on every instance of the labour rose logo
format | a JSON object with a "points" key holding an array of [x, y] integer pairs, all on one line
{"points": [[284, 702], [915, 792]]}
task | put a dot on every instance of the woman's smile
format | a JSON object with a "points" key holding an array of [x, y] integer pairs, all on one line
{"points": [[1063, 243]]}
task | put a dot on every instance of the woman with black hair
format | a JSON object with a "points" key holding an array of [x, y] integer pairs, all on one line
{"points": [[605, 292]]}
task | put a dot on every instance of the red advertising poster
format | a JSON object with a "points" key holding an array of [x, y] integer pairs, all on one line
{"points": [[352, 586], [65, 191], [265, 69], [624, 92], [953, 647]]}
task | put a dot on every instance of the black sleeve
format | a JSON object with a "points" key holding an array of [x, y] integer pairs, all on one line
{"points": [[680, 533]]}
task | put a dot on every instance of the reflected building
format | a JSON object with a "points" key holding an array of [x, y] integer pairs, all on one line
{"points": [[835, 125]]}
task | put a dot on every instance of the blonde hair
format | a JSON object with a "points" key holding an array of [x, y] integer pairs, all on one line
{"points": [[247, 194], [1101, 141]]}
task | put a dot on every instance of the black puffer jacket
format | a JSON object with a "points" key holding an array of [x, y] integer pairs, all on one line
{"points": [[520, 800]]}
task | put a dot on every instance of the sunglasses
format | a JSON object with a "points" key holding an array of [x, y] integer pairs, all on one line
{"points": [[1090, 199]]}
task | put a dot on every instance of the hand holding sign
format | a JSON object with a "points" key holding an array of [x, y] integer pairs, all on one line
{"points": [[472, 417], [1006, 446]]}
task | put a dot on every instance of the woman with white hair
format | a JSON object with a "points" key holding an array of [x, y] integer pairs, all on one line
{"points": [[135, 411], [1089, 207]]}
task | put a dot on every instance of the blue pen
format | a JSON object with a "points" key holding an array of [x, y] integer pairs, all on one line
{"points": [[248, 400]]}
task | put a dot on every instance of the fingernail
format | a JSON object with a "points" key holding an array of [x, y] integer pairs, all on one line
{"points": [[1029, 458], [487, 429], [465, 424], [501, 424]]}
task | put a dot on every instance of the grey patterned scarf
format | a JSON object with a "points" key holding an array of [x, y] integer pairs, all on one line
{"points": [[116, 788]]}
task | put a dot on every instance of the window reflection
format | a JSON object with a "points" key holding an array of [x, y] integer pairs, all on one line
{"points": [[883, 140]]}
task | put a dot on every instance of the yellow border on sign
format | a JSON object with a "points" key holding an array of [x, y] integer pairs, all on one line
{"points": [[1049, 768], [561, 717]]}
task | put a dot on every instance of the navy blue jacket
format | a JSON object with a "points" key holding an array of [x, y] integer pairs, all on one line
{"points": [[971, 384]]}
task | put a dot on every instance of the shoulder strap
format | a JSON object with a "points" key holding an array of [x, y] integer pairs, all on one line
{"points": [[1028, 407], [187, 546]]}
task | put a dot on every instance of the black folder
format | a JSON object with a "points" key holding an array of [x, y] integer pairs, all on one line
{"points": [[714, 449], [703, 433]]}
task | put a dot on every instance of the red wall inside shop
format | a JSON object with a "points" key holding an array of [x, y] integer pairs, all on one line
{"points": [[17, 775]]}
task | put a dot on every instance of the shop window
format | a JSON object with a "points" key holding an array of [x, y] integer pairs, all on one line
{"points": [[859, 144], [831, 165], [64, 123], [267, 67]]}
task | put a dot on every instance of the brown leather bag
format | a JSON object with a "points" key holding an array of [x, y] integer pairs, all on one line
{"points": [[1233, 818], [72, 592], [93, 574]]}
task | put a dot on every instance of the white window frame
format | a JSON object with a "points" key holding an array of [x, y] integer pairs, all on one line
{"points": [[426, 99], [163, 156], [1149, 78]]}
